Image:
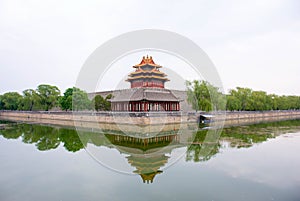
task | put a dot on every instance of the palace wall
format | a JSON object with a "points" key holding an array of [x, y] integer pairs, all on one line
{"points": [[110, 120]]}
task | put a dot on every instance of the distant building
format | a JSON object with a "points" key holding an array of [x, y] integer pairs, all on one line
{"points": [[147, 92]]}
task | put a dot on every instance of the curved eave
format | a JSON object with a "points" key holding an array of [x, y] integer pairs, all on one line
{"points": [[151, 71], [154, 65], [145, 74], [147, 77]]}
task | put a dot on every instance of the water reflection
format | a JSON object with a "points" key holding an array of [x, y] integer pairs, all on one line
{"points": [[147, 155]]}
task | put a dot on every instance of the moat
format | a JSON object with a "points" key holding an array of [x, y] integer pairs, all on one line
{"points": [[254, 162]]}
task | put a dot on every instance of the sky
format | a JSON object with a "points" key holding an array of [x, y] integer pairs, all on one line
{"points": [[253, 44]]}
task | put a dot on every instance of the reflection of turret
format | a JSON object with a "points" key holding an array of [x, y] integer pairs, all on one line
{"points": [[143, 144], [147, 155], [147, 167], [149, 176]]}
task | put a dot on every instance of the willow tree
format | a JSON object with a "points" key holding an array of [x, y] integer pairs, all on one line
{"points": [[102, 104], [48, 95], [80, 100], [10, 101], [30, 100], [203, 96]]}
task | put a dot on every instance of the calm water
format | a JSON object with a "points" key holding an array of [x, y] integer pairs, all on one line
{"points": [[257, 162]]}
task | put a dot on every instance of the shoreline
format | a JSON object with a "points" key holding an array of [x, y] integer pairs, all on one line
{"points": [[109, 120]]}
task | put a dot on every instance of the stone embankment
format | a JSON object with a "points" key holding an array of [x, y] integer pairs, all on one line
{"points": [[150, 118]]}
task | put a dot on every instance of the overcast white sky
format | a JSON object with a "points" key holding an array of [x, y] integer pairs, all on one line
{"points": [[253, 43]]}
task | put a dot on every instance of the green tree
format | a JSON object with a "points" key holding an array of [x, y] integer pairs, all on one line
{"points": [[204, 96], [244, 94], [283, 103], [233, 103], [75, 99], [10, 100], [239, 99], [1, 103], [80, 100], [274, 101], [65, 101], [218, 100], [247, 99], [48, 95], [258, 101], [30, 100], [102, 104], [293, 102]]}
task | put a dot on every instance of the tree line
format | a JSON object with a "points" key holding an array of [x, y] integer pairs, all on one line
{"points": [[203, 96], [46, 97]]}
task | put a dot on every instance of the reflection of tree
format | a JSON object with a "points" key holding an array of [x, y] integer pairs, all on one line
{"points": [[246, 136], [11, 133], [201, 149], [29, 135], [47, 138], [51, 141], [70, 139], [44, 137], [195, 153], [237, 137]]}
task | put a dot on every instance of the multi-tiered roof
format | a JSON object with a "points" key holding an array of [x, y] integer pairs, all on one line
{"points": [[147, 74], [147, 92]]}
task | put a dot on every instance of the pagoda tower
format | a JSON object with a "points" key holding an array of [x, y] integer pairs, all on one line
{"points": [[147, 92], [147, 74]]}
